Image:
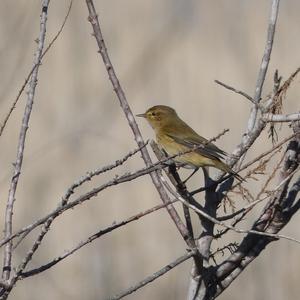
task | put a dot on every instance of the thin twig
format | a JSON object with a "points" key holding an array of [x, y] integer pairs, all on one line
{"points": [[180, 186], [255, 127], [176, 181], [245, 166], [47, 224], [251, 162], [13, 106], [265, 62], [273, 218], [87, 177], [216, 221], [245, 210], [155, 275], [117, 180], [87, 196], [93, 19], [21, 144], [238, 212], [229, 247], [64, 205], [269, 117], [91, 238], [237, 91], [272, 175]]}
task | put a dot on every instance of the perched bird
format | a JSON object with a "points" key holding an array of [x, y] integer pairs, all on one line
{"points": [[175, 136]]}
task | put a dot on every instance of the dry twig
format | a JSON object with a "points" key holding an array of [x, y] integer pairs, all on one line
{"points": [[21, 144], [13, 106]]}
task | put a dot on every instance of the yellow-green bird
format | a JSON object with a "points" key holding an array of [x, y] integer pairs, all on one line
{"points": [[175, 136]]}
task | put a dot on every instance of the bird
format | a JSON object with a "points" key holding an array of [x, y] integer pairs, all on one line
{"points": [[175, 136]]}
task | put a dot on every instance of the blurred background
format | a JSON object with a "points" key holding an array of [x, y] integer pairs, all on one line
{"points": [[164, 52]]}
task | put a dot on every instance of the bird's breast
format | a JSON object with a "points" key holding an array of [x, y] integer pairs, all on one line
{"points": [[193, 159], [169, 145]]}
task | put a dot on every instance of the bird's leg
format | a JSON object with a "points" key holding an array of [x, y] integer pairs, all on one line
{"points": [[195, 170]]}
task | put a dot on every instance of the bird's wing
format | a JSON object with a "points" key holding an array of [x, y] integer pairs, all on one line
{"points": [[205, 148]]}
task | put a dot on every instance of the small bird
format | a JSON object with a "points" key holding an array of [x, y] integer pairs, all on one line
{"points": [[175, 136]]}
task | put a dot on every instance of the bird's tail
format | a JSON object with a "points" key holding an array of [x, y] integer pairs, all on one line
{"points": [[224, 167]]}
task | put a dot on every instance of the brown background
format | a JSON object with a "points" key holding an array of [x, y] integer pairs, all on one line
{"points": [[165, 52]]}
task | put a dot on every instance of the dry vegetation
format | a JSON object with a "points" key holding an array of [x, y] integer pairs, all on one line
{"points": [[129, 221]]}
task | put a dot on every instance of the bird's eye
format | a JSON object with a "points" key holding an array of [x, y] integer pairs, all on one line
{"points": [[153, 114]]}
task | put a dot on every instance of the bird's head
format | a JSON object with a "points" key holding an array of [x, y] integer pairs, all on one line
{"points": [[159, 116]]}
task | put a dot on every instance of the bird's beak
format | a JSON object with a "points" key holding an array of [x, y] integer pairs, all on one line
{"points": [[141, 115]]}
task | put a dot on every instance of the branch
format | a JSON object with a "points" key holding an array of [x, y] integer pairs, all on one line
{"points": [[254, 128], [90, 239], [155, 275], [289, 204], [21, 144], [245, 210], [47, 224], [245, 166], [217, 222], [97, 172], [275, 216], [248, 164], [265, 62], [87, 177], [93, 19], [65, 205], [176, 181], [269, 117], [237, 91], [13, 106]]}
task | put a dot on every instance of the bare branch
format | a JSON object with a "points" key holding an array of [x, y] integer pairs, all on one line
{"points": [[65, 205], [265, 62], [208, 279], [245, 166], [245, 210], [21, 274], [269, 117], [248, 164], [289, 203], [21, 144], [274, 217], [237, 91], [93, 19], [64, 201], [176, 181], [216, 221], [156, 275], [91, 174], [13, 106]]}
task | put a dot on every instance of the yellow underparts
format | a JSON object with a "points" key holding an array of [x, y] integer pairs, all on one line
{"points": [[193, 159]]}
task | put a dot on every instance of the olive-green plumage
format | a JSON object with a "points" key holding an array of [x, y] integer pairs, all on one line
{"points": [[175, 136]]}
